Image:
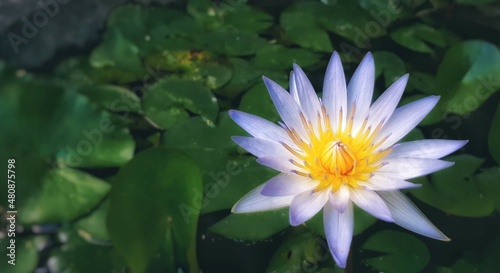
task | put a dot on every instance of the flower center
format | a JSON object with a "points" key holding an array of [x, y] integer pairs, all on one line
{"points": [[336, 157]]}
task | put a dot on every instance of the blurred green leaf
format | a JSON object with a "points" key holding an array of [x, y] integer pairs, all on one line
{"points": [[417, 37], [112, 98], [301, 253], [118, 53], [239, 16], [467, 76], [455, 190], [78, 256], [92, 228], [231, 42], [157, 188], [244, 76], [214, 75], [168, 100], [402, 252], [252, 226], [277, 57], [474, 2], [389, 65], [489, 185], [258, 102], [48, 131], [494, 136]]}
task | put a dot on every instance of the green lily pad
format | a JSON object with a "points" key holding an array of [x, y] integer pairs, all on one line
{"points": [[92, 228], [112, 98], [277, 57], [494, 136], [252, 226], [75, 253], [169, 100], [258, 102], [304, 252], [244, 76], [467, 76], [389, 65], [153, 187], [238, 17], [417, 37], [402, 253], [455, 190], [49, 131], [231, 42]]}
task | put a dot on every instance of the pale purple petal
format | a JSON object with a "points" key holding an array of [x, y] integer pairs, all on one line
{"points": [[428, 148], [379, 182], [360, 88], [308, 97], [406, 168], [281, 164], [293, 88], [259, 127], [261, 147], [404, 119], [340, 198], [286, 106], [371, 202], [254, 202], [334, 90], [305, 205], [338, 230], [288, 184], [384, 106], [407, 215]]}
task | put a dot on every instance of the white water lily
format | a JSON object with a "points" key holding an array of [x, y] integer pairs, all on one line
{"points": [[340, 150]]}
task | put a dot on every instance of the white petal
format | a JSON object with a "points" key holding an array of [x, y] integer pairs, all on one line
{"points": [[406, 168], [371, 202], [259, 127], [384, 106], [407, 215], [281, 164], [308, 97], [288, 184], [380, 182], [428, 148], [340, 198], [404, 119], [293, 88], [338, 230], [360, 88], [261, 147], [285, 105], [305, 205], [254, 202], [334, 90]]}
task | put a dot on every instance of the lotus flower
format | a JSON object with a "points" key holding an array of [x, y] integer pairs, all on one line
{"points": [[341, 151]]}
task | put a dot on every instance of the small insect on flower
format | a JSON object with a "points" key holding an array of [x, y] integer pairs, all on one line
{"points": [[342, 150]]}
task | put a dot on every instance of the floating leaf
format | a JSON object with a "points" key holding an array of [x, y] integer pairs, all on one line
{"points": [[244, 76], [252, 226], [402, 252], [167, 101], [305, 252], [231, 42], [163, 202], [417, 37], [454, 190], [390, 65], [238, 17], [21, 256], [276, 57], [258, 102], [467, 76], [112, 98], [47, 132]]}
